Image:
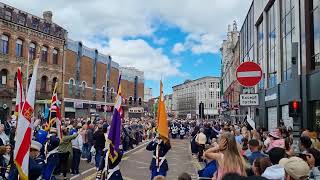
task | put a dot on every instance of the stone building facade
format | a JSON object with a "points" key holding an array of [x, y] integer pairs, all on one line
{"points": [[23, 35], [186, 97], [231, 88]]}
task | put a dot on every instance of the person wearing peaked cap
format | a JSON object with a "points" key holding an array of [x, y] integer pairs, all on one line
{"points": [[295, 168], [36, 164]]}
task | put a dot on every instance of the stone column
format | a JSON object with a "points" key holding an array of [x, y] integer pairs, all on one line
{"points": [[12, 46]]}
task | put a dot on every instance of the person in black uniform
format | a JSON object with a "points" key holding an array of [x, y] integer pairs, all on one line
{"points": [[112, 169], [174, 130], [159, 164], [182, 131], [52, 156], [36, 164]]}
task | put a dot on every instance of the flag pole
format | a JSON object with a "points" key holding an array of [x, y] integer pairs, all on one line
{"points": [[54, 91]]}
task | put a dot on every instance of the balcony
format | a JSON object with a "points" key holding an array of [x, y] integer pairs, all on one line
{"points": [[43, 95]]}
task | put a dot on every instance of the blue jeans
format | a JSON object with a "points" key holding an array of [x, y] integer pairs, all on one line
{"points": [[86, 150], [98, 157]]}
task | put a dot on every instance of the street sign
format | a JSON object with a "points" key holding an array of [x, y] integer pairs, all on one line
{"points": [[249, 99], [249, 74]]}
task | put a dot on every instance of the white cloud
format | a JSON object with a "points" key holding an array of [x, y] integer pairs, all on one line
{"points": [[198, 62], [160, 41], [178, 48], [205, 23], [206, 19], [138, 53]]}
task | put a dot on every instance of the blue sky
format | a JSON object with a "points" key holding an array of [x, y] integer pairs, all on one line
{"points": [[173, 39]]}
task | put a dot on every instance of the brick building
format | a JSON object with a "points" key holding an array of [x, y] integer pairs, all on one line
{"points": [[90, 84], [23, 35]]}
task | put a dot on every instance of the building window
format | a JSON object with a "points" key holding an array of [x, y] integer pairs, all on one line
{"points": [[260, 51], [29, 79], [70, 87], [21, 19], [55, 57], [43, 83], [44, 54], [35, 23], [83, 88], [19, 48], [111, 93], [316, 34], [272, 63], [54, 81], [46, 28], [3, 76], [287, 31], [32, 51], [4, 44], [103, 91], [8, 15]]}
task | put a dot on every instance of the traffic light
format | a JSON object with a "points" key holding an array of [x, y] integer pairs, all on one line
{"points": [[294, 108]]}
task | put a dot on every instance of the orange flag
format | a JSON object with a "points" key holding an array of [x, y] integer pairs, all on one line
{"points": [[162, 121]]}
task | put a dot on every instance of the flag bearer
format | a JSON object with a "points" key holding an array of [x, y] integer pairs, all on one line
{"points": [[159, 164]]}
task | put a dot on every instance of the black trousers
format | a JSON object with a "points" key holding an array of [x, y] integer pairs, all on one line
{"points": [[200, 153], [75, 161], [64, 163]]}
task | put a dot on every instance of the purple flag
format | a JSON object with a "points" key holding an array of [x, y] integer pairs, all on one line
{"points": [[115, 128]]}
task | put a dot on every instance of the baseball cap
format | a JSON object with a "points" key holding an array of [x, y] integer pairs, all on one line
{"points": [[295, 167]]}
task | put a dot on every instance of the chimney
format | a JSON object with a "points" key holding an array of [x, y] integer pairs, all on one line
{"points": [[47, 16], [234, 26]]}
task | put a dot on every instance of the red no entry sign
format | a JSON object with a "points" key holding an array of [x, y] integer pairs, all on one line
{"points": [[249, 74]]}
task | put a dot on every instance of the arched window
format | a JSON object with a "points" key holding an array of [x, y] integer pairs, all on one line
{"points": [[43, 83], [83, 87], [44, 54], [19, 47], [70, 87], [32, 51], [54, 81], [4, 44], [140, 101], [111, 93], [55, 56], [130, 100], [103, 91], [3, 76], [29, 79]]}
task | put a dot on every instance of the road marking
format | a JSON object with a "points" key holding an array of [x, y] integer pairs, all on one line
{"points": [[84, 172], [93, 168], [92, 176]]}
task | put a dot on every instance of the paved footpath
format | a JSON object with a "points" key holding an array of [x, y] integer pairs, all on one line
{"points": [[135, 166]]}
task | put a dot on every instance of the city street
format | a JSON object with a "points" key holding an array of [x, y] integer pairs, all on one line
{"points": [[135, 166]]}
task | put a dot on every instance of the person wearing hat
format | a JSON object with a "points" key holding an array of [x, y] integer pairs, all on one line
{"points": [[159, 164], [295, 168], [51, 154], [36, 164]]}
